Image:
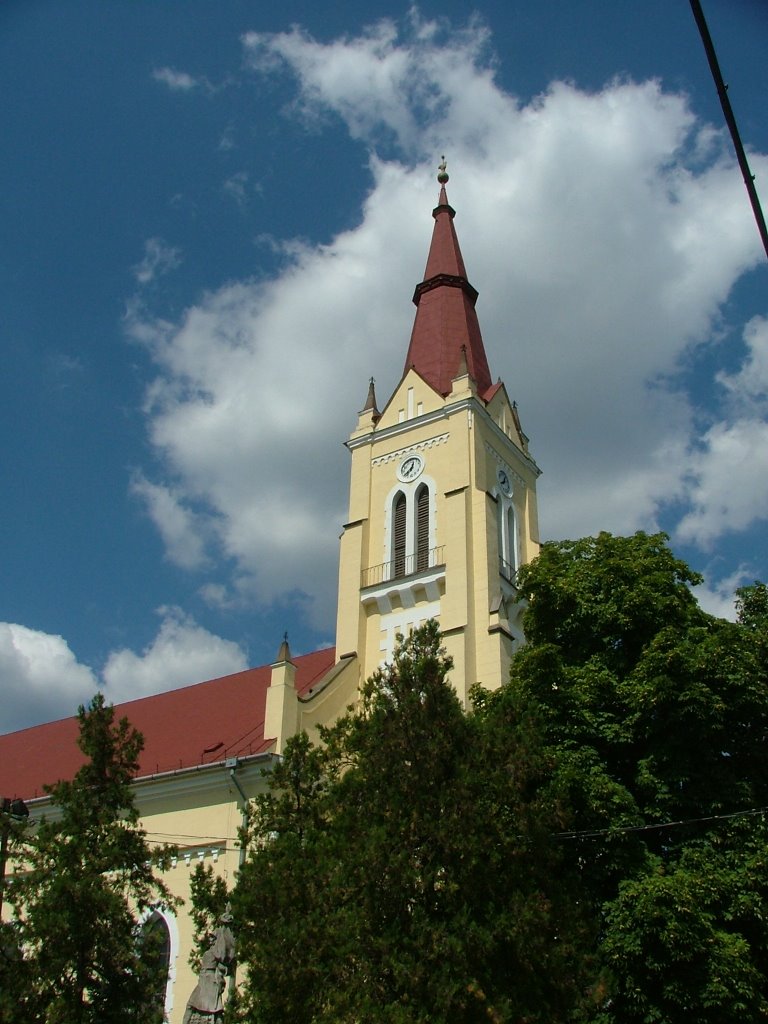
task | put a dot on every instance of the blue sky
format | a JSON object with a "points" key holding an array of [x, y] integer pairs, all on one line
{"points": [[213, 216]]}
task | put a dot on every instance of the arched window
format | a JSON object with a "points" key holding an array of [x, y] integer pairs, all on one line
{"points": [[156, 954], [399, 534], [512, 537], [410, 535], [508, 557], [422, 528]]}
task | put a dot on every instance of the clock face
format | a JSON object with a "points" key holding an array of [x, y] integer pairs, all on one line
{"points": [[410, 467], [504, 482]]}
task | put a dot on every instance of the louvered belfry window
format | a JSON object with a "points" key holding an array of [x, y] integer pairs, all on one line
{"points": [[422, 528], [398, 533]]}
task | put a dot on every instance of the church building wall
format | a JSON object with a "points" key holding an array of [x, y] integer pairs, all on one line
{"points": [[442, 511]]}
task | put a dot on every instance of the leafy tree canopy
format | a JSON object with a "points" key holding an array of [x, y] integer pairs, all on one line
{"points": [[586, 844], [404, 871], [89, 878], [655, 718]]}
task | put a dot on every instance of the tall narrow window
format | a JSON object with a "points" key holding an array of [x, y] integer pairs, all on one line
{"points": [[508, 541], [398, 535], [422, 528], [511, 539], [156, 954]]}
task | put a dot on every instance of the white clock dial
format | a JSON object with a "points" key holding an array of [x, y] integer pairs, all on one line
{"points": [[504, 482], [410, 467]]}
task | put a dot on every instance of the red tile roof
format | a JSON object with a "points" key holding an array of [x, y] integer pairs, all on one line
{"points": [[195, 725], [446, 320]]}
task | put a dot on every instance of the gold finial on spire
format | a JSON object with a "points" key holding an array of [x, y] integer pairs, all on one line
{"points": [[442, 176]]}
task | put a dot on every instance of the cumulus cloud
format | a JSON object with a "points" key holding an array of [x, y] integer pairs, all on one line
{"points": [[748, 387], [378, 82], [177, 81], [42, 678], [720, 598], [178, 525], [604, 231], [237, 187], [182, 653], [158, 259], [729, 467], [730, 482]]}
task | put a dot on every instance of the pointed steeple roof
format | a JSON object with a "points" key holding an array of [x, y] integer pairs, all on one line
{"points": [[370, 402], [446, 320], [284, 654]]}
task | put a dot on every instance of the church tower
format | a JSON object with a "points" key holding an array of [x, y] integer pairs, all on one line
{"points": [[442, 505]]}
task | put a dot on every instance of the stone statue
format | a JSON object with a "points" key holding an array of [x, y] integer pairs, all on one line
{"points": [[205, 1005]]}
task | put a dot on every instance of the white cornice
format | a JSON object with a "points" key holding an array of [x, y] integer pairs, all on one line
{"points": [[405, 590], [503, 462], [398, 428], [391, 456], [328, 678], [471, 404], [507, 444], [202, 779]]}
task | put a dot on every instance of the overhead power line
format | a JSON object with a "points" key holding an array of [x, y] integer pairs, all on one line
{"points": [[587, 833], [600, 833], [730, 120]]}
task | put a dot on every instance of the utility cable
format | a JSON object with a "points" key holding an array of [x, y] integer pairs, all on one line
{"points": [[595, 833], [625, 829], [730, 120]]}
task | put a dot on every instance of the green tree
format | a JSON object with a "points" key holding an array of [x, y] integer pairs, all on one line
{"points": [[655, 716], [404, 870], [752, 606], [89, 877], [208, 899], [687, 936], [14, 821]]}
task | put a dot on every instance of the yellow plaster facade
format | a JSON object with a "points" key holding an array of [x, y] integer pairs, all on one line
{"points": [[201, 810], [470, 456], [473, 461], [442, 512]]}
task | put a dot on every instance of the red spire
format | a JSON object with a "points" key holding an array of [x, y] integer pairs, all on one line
{"points": [[446, 320]]}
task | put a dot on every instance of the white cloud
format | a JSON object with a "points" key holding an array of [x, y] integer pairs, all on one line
{"points": [[42, 678], [179, 527], [236, 186], [158, 259], [604, 231], [376, 82], [227, 139], [719, 598], [181, 653], [749, 386], [177, 81], [216, 595], [728, 484], [730, 488]]}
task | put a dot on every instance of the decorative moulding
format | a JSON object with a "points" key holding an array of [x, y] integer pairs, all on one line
{"points": [[432, 442]]}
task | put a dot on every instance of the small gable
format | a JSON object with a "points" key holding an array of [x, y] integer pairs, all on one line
{"points": [[413, 397], [505, 414]]}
